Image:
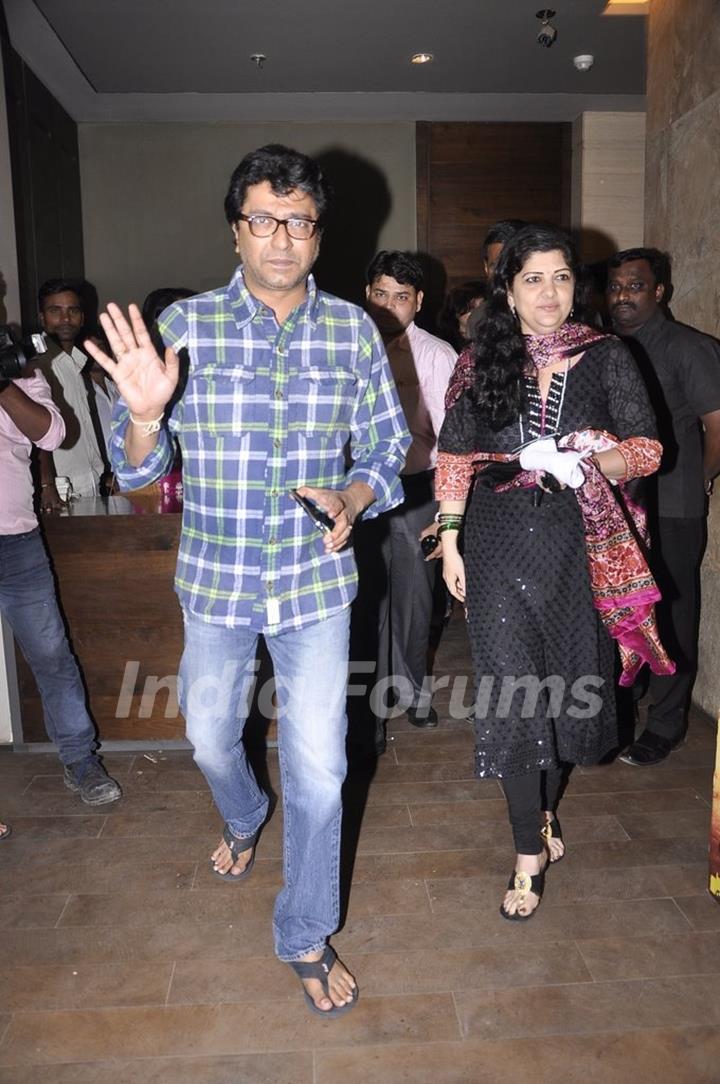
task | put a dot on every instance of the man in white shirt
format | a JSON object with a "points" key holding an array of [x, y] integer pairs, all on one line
{"points": [[421, 365], [106, 394], [81, 457]]}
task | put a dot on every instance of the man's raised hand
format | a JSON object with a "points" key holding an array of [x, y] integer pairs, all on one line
{"points": [[144, 380]]}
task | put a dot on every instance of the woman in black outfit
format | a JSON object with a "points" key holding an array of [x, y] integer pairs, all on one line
{"points": [[550, 570]]}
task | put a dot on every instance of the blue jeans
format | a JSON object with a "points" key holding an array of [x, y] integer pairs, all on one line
{"points": [[216, 675], [29, 603]]}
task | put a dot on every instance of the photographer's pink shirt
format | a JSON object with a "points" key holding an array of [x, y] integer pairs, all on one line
{"points": [[16, 488]]}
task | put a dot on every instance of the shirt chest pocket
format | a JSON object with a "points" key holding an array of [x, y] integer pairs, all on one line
{"points": [[320, 401], [223, 401]]}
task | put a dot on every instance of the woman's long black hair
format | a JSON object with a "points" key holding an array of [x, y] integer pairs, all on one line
{"points": [[499, 347]]}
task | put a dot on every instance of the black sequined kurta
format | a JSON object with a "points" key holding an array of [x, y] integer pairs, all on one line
{"points": [[531, 617]]}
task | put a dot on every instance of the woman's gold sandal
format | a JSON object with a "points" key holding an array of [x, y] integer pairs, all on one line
{"points": [[552, 830], [524, 884]]}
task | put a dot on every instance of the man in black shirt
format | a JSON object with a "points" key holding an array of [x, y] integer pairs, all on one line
{"points": [[682, 370]]}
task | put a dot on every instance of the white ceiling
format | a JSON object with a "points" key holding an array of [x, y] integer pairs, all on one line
{"points": [[189, 59]]}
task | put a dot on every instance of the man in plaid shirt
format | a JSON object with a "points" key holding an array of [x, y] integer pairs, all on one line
{"points": [[282, 377]]}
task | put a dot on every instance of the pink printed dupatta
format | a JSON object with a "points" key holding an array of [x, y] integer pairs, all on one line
{"points": [[624, 591]]}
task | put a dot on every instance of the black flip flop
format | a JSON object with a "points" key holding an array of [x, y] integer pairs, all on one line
{"points": [[320, 970], [237, 847]]}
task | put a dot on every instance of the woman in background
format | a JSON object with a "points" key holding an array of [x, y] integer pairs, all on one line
{"points": [[459, 305]]}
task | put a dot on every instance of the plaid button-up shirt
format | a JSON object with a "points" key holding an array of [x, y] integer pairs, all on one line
{"points": [[266, 408]]}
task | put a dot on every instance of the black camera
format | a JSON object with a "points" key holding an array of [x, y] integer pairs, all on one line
{"points": [[15, 353]]}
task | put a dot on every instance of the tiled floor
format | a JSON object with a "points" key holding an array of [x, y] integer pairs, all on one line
{"points": [[123, 961]]}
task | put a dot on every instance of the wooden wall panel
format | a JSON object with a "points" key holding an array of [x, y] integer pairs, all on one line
{"points": [[469, 175], [115, 584], [609, 180]]}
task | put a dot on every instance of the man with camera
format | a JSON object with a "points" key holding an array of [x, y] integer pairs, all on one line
{"points": [[27, 591], [282, 378]]}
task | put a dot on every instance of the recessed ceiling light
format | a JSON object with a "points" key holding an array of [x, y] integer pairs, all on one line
{"points": [[421, 58], [626, 7]]}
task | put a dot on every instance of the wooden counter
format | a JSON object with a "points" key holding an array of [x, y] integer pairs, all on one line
{"points": [[114, 561]]}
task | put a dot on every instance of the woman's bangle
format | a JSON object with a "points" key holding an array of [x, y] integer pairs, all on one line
{"points": [[448, 527], [449, 517], [44, 485]]}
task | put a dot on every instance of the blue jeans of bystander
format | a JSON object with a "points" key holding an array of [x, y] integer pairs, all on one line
{"points": [[29, 604]]}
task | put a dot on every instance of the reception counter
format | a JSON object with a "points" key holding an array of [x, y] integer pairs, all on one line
{"points": [[114, 560]]}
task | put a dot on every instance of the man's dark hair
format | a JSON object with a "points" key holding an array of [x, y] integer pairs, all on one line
{"points": [[501, 232], [658, 261], [404, 267], [285, 170], [459, 301], [61, 286], [158, 300]]}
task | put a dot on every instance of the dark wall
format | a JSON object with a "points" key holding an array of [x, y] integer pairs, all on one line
{"points": [[470, 175], [46, 183]]}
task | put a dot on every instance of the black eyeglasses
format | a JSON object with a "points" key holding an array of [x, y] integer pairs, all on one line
{"points": [[300, 229]]}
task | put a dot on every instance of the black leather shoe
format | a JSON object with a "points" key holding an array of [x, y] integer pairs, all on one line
{"points": [[423, 718], [649, 749]]}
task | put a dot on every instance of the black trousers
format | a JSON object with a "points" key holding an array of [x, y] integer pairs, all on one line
{"points": [[405, 625], [527, 795], [675, 557], [393, 612]]}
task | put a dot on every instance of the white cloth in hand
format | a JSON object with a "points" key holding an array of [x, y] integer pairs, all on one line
{"points": [[543, 455]]}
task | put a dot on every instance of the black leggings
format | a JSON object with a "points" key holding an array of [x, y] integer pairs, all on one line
{"points": [[527, 795]]}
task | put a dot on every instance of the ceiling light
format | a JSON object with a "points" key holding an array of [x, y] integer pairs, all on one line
{"points": [[258, 59], [421, 58], [626, 7], [584, 62]]}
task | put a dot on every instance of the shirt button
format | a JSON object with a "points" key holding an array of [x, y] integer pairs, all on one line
{"points": [[277, 443], [274, 492], [272, 541], [278, 395]]}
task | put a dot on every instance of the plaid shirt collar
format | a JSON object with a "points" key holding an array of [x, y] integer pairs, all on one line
{"points": [[245, 306]]}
